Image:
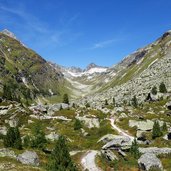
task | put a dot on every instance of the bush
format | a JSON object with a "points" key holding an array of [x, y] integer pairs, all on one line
{"points": [[65, 99], [134, 102], [134, 149], [13, 138], [154, 90], [77, 124]]}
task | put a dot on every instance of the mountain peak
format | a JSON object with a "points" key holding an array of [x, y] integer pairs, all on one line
{"points": [[9, 33], [91, 65]]}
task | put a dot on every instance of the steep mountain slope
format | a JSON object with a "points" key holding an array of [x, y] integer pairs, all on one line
{"points": [[137, 73], [24, 73]]}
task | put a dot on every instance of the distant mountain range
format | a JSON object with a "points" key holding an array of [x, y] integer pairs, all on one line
{"points": [[47, 82]]}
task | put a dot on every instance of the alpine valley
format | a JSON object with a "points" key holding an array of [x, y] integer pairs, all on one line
{"points": [[98, 118]]}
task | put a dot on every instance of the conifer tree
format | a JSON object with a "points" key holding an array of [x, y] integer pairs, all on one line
{"points": [[77, 124], [154, 90], [162, 88], [164, 127], [156, 132], [65, 99], [106, 102], [134, 149], [60, 159], [134, 102]]}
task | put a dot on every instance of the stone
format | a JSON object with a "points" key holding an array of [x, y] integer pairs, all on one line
{"points": [[122, 116], [118, 142], [56, 107], [3, 130], [109, 155], [168, 105], [52, 136], [140, 135], [13, 122], [90, 122], [7, 166], [5, 152], [84, 132], [148, 161], [107, 138], [29, 158], [155, 150], [142, 125]]}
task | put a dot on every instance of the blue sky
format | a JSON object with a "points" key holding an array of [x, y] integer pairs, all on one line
{"points": [[78, 32]]}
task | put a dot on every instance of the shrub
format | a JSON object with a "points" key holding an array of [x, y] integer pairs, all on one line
{"points": [[77, 124], [162, 88], [156, 132]]}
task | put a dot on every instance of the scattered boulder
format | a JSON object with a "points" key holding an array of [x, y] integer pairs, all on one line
{"points": [[52, 136], [3, 130], [107, 138], [155, 150], [84, 132], [149, 161], [119, 142], [90, 122], [4, 152], [7, 166], [13, 122], [168, 105], [122, 116], [56, 107], [142, 125], [109, 155], [29, 158]]}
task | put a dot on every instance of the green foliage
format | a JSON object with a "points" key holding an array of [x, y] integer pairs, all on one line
{"points": [[38, 140], [27, 141], [113, 101], [154, 90], [13, 138], [65, 99], [162, 88], [156, 132], [77, 124], [164, 127], [134, 149], [60, 159], [134, 102]]}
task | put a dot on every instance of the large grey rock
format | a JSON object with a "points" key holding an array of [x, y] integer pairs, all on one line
{"points": [[107, 138], [142, 125], [4, 152], [119, 142], [109, 155], [3, 130], [56, 107], [29, 157], [90, 122], [148, 161], [52, 136], [155, 150]]}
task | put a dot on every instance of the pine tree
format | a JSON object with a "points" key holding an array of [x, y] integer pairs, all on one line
{"points": [[13, 138], [134, 102], [60, 158], [106, 102], [77, 124], [65, 99], [134, 149], [164, 127], [156, 132], [113, 101], [162, 88], [154, 90], [18, 141]]}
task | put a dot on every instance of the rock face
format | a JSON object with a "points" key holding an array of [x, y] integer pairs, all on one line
{"points": [[148, 161], [29, 157], [109, 155], [7, 153], [119, 142]]}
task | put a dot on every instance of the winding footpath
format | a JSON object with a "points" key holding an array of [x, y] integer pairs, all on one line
{"points": [[88, 161], [120, 131]]}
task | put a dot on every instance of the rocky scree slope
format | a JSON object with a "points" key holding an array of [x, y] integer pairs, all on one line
{"points": [[136, 74], [24, 73]]}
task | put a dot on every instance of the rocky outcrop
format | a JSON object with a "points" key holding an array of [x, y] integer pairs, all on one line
{"points": [[107, 138], [122, 142], [52, 136], [149, 161], [109, 155], [29, 158]]}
